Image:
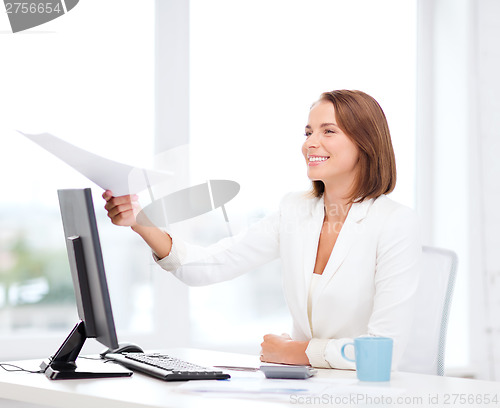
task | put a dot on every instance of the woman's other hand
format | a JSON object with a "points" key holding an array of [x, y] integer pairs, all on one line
{"points": [[282, 349]]}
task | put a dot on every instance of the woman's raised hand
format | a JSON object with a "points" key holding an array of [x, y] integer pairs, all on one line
{"points": [[122, 210]]}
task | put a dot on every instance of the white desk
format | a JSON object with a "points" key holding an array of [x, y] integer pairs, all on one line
{"points": [[140, 391]]}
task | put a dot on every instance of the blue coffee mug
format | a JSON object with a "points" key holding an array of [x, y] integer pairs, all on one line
{"points": [[373, 358]]}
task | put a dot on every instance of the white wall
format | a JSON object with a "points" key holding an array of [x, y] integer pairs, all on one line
{"points": [[458, 167], [485, 136], [442, 159]]}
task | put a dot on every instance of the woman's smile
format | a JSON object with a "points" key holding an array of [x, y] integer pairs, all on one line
{"points": [[313, 160]]}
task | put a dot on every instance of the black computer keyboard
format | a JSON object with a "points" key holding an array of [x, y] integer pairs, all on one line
{"points": [[166, 367]]}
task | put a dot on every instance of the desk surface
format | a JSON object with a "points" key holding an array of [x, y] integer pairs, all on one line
{"points": [[140, 391]]}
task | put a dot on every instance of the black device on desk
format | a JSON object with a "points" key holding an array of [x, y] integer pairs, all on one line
{"points": [[94, 308]]}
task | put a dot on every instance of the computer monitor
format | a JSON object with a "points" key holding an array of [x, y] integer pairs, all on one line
{"points": [[91, 291]]}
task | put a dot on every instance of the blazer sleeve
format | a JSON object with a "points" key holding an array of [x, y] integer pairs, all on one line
{"points": [[228, 258], [396, 282]]}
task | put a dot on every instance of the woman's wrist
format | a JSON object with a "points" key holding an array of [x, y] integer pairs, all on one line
{"points": [[296, 352], [160, 242], [138, 228]]}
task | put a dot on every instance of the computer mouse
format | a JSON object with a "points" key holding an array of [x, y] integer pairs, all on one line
{"points": [[123, 348]]}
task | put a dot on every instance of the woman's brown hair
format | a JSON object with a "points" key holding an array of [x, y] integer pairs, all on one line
{"points": [[362, 119]]}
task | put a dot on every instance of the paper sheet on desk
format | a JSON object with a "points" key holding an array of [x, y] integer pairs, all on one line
{"points": [[250, 387], [322, 389], [120, 178]]}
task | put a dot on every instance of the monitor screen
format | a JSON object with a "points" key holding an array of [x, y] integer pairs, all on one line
{"points": [[89, 278]]}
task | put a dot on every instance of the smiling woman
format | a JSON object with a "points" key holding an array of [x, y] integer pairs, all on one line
{"points": [[366, 247], [362, 139]]}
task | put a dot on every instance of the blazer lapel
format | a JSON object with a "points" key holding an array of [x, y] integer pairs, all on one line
{"points": [[311, 230], [311, 233]]}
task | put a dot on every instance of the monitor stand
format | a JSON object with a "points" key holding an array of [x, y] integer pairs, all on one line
{"points": [[62, 365]]}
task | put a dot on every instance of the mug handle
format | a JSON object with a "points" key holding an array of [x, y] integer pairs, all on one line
{"points": [[343, 353]]}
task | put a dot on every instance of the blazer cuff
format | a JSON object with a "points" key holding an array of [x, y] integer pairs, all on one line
{"points": [[173, 260], [334, 356], [316, 353]]}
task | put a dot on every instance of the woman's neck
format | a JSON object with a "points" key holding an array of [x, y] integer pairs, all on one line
{"points": [[336, 206]]}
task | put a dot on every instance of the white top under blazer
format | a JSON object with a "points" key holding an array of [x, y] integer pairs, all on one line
{"points": [[367, 286]]}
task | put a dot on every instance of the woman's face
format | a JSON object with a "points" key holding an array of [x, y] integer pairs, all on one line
{"points": [[330, 155]]}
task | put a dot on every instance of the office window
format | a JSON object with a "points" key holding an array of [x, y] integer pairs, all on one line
{"points": [[256, 67], [87, 77]]}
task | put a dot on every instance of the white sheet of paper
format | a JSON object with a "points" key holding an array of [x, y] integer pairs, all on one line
{"points": [[121, 179], [253, 387], [326, 391]]}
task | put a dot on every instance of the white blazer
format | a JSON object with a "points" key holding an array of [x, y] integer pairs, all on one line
{"points": [[368, 284]]}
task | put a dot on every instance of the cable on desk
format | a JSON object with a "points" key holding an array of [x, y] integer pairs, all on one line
{"points": [[91, 358], [17, 368]]}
